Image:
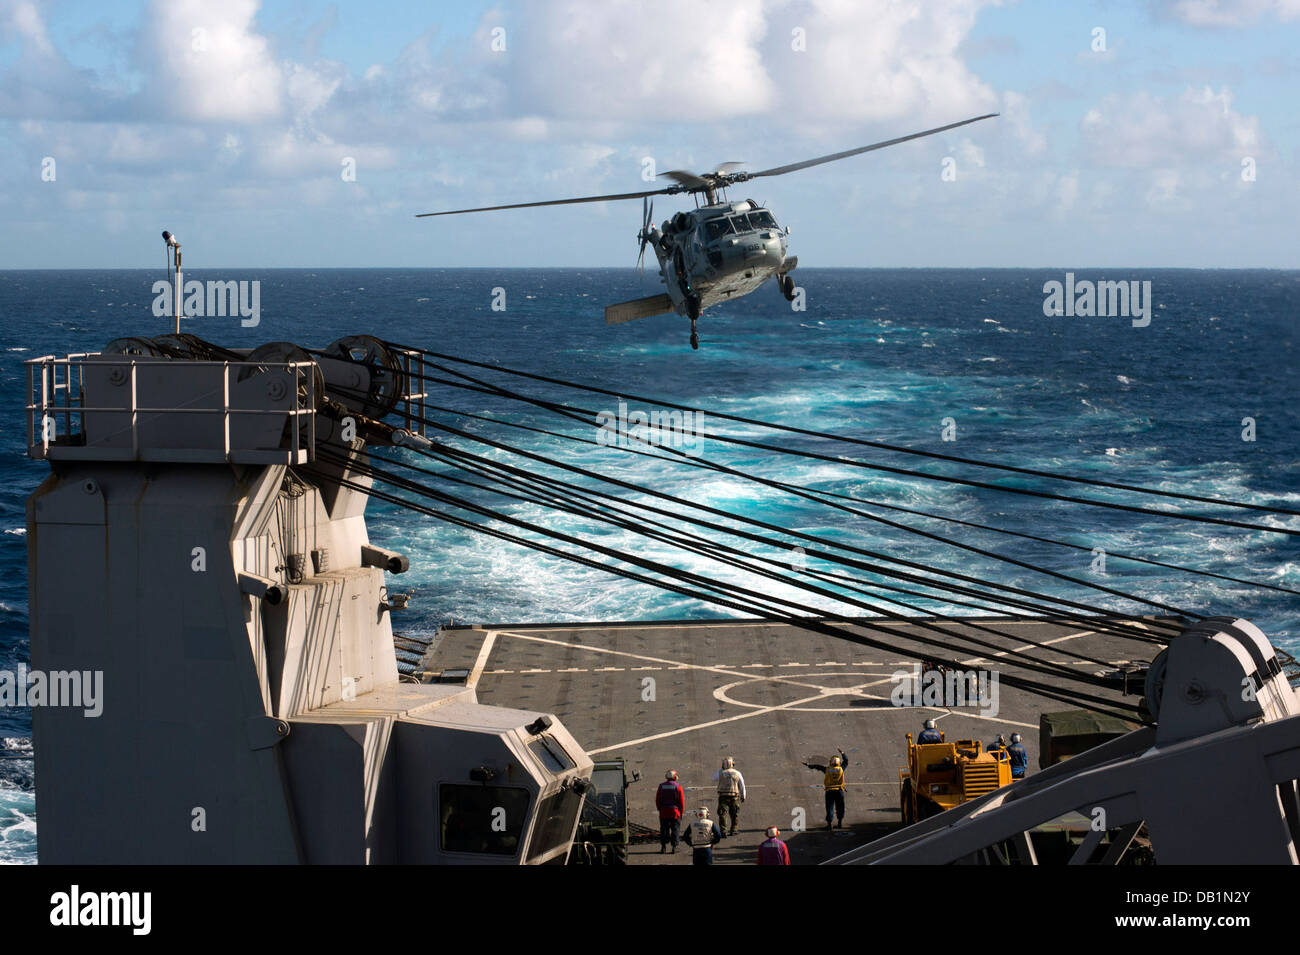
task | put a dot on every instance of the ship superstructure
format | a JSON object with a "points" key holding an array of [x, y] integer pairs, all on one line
{"points": [[201, 544]]}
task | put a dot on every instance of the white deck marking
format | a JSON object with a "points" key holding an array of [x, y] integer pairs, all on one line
{"points": [[665, 664], [1029, 646], [700, 726], [759, 710], [489, 640]]}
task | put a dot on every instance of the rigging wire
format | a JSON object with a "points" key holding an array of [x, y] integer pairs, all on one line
{"points": [[1054, 475], [677, 581], [875, 503], [710, 549], [767, 526], [1139, 634]]}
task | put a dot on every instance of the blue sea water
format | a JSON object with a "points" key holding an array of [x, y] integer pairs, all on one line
{"points": [[886, 355]]}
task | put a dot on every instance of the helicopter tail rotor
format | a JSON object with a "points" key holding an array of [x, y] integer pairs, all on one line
{"points": [[647, 217]]}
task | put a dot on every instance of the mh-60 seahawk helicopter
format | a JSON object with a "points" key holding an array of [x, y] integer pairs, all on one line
{"points": [[719, 251]]}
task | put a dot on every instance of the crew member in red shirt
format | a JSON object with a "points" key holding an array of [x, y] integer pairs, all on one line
{"points": [[670, 800], [773, 851]]}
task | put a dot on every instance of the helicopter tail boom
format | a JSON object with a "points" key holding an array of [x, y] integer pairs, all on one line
{"points": [[638, 308]]}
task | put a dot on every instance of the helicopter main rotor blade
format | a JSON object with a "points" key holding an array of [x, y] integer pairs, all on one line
{"points": [[687, 179], [556, 202], [794, 166], [727, 167]]}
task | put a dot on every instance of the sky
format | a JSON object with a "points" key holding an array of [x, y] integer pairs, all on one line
{"points": [[301, 133]]}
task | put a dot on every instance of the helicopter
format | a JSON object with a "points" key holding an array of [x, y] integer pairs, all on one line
{"points": [[718, 251]]}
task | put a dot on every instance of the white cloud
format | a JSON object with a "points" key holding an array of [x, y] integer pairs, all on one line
{"points": [[310, 89], [1142, 130], [878, 60], [1015, 116], [971, 155], [1164, 187], [674, 60], [22, 18], [210, 63], [1067, 190], [1231, 13]]}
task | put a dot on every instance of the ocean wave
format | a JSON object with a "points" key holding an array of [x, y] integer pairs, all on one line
{"points": [[17, 827]]}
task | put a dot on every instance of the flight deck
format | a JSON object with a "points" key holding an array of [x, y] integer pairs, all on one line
{"points": [[685, 694]]}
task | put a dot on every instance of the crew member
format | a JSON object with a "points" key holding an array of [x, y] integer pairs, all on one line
{"points": [[998, 747], [834, 783], [1019, 757], [731, 793], [773, 851], [670, 800], [701, 836], [930, 734]]}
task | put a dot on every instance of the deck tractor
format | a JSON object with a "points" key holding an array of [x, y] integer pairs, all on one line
{"points": [[603, 830], [942, 775]]}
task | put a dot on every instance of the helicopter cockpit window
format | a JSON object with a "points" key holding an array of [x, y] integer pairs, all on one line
{"points": [[762, 219], [717, 228]]}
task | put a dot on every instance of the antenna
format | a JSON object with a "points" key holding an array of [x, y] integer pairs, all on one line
{"points": [[171, 243]]}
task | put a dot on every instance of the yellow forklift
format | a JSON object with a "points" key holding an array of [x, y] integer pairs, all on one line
{"points": [[942, 775]]}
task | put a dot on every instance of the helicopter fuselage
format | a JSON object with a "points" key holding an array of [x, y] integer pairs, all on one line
{"points": [[717, 253]]}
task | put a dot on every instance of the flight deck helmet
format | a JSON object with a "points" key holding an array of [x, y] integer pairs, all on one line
{"points": [[929, 724]]}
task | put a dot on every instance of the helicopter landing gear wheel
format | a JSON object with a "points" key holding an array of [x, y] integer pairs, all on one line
{"points": [[693, 312], [786, 284]]}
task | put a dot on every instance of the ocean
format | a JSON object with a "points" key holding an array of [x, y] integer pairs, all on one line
{"points": [[1204, 399]]}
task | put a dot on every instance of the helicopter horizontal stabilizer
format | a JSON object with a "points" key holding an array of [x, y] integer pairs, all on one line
{"points": [[638, 308]]}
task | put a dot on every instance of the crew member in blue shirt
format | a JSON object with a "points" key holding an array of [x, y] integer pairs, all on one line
{"points": [[1019, 757]]}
